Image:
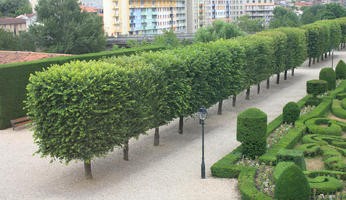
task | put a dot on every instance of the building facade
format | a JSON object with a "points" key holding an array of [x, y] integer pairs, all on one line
{"points": [[257, 9], [92, 3], [14, 25], [144, 17]]}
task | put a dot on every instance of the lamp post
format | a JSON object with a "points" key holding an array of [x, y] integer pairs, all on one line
{"points": [[332, 58], [202, 116]]}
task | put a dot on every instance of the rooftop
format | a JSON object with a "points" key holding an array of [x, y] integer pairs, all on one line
{"points": [[24, 56], [10, 20]]}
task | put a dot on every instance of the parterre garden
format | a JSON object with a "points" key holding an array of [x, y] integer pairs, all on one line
{"points": [[300, 155]]}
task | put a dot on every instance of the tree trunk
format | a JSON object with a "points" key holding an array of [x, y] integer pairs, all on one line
{"points": [[268, 83], [326, 55], [219, 110], [157, 137], [318, 59], [292, 71], [322, 57], [309, 61], [181, 124], [87, 170], [278, 78], [247, 94], [313, 60], [234, 100], [285, 75], [126, 151], [258, 88]]}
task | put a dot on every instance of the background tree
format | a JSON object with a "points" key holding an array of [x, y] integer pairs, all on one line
{"points": [[13, 8], [64, 28], [284, 17], [218, 30], [23, 42], [249, 25], [167, 39], [319, 12]]}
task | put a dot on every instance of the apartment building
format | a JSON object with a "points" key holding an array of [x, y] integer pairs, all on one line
{"points": [[92, 3], [143, 17], [260, 9]]}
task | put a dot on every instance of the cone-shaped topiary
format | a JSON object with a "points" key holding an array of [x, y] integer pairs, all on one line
{"points": [[251, 131], [328, 75], [291, 112], [292, 185], [340, 70], [316, 87]]}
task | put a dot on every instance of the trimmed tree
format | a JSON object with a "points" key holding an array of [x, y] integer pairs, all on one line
{"points": [[251, 132], [291, 112], [340, 70], [316, 87], [328, 75], [292, 184]]}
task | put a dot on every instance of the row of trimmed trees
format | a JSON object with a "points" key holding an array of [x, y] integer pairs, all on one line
{"points": [[84, 110]]}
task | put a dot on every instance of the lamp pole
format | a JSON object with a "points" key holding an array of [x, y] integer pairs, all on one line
{"points": [[202, 116], [333, 58]]}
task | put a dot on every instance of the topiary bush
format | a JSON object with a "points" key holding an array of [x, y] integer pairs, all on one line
{"points": [[340, 70], [290, 155], [328, 75], [280, 167], [291, 112], [325, 184], [330, 127], [251, 131], [316, 87], [292, 184]]}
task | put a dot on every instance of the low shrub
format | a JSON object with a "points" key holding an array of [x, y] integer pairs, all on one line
{"points": [[319, 111], [335, 163], [341, 96], [290, 155], [314, 126], [291, 112], [343, 103], [251, 131], [225, 168], [313, 101], [280, 167], [310, 149], [325, 184], [340, 70], [330, 173], [292, 184], [338, 110], [316, 87], [328, 75]]}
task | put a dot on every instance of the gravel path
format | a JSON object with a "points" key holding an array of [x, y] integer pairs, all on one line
{"points": [[170, 171]]}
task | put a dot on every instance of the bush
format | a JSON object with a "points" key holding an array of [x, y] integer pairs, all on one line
{"points": [[316, 87], [310, 149], [328, 75], [280, 167], [341, 96], [290, 155], [251, 131], [225, 168], [335, 174], [313, 101], [332, 128], [340, 70], [325, 184], [291, 112], [343, 103], [292, 184], [338, 110]]}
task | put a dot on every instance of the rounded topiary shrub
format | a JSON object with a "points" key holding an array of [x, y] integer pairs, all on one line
{"points": [[251, 132], [292, 184], [340, 70], [328, 75], [291, 112], [316, 87]]}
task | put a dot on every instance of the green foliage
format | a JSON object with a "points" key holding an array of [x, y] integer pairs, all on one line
{"points": [[280, 167], [66, 29], [225, 168], [325, 184], [247, 186], [251, 131], [343, 103], [328, 75], [167, 39], [64, 100], [14, 78], [13, 8], [292, 184], [23, 42], [321, 12], [291, 112], [313, 101], [290, 155], [338, 110], [335, 174], [340, 70], [316, 87], [284, 17], [331, 128], [249, 25], [310, 149], [218, 30], [7, 40]]}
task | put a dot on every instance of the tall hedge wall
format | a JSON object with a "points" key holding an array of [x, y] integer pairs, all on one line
{"points": [[14, 78]]}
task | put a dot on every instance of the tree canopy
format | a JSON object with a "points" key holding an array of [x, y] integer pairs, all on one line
{"points": [[284, 18], [320, 12], [13, 8], [64, 28], [218, 30], [249, 25]]}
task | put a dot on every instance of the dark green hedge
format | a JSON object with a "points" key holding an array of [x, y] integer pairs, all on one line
{"points": [[338, 110], [316, 87], [328, 75], [314, 127], [340, 70], [290, 155], [225, 168], [335, 174], [14, 78], [341, 96], [251, 131], [291, 112], [280, 167], [343, 103], [325, 184]]}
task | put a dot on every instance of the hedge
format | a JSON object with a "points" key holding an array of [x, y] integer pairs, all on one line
{"points": [[325, 184], [343, 103], [328, 75], [291, 112], [341, 96], [340, 70], [290, 155], [338, 110], [280, 167], [14, 78], [314, 127], [316, 87], [335, 174]]}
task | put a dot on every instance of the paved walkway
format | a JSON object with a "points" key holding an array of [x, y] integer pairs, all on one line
{"points": [[168, 172]]}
